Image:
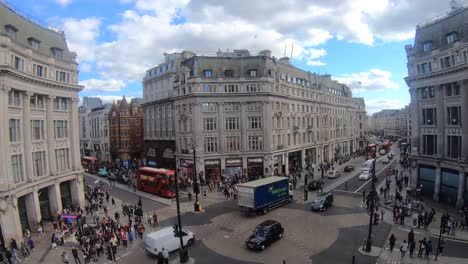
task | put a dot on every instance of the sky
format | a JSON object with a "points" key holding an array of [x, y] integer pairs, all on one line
{"points": [[359, 42]]}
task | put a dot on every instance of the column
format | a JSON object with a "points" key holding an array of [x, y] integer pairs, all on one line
{"points": [[437, 183], [303, 158], [413, 182], [10, 221], [243, 127], [221, 127], [55, 200], [76, 188], [4, 137], [74, 135], [33, 209], [461, 187], [267, 126], [416, 136], [50, 135], [27, 137], [286, 163], [440, 120], [464, 117]]}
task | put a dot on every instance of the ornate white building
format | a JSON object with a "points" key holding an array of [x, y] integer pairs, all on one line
{"points": [[40, 170]]}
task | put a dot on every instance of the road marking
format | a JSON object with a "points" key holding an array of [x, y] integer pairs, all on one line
{"points": [[407, 230], [385, 167], [452, 239]]}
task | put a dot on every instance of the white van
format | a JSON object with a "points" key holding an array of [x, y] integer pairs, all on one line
{"points": [[368, 164], [164, 238]]}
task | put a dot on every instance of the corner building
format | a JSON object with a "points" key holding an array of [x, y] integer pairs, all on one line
{"points": [[438, 81], [254, 115], [40, 171]]}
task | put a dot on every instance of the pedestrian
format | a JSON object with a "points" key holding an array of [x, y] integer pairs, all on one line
{"points": [[422, 247], [382, 212], [428, 248], [31, 244], [410, 236], [75, 255], [165, 256], [8, 256], [441, 246], [155, 220], [412, 246], [403, 249], [65, 258], [392, 242], [24, 250], [113, 202], [130, 237]]}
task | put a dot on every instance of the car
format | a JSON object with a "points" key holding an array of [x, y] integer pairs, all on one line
{"points": [[365, 175], [348, 168], [385, 160], [390, 155], [165, 238], [333, 174], [264, 234], [382, 152], [102, 172], [314, 185], [322, 202], [124, 179]]}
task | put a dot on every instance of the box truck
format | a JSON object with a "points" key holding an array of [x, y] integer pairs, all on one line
{"points": [[260, 196]]}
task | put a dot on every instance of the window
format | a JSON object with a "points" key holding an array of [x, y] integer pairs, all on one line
{"points": [[429, 144], [37, 101], [452, 37], [11, 31], [209, 124], [211, 144], [253, 73], [37, 130], [17, 168], [232, 143], [255, 122], [62, 76], [209, 107], [17, 62], [454, 115], [14, 98], [254, 106], [228, 73], [448, 61], [231, 88], [15, 130], [33, 43], [454, 147], [231, 107], [207, 73], [39, 70], [255, 142], [61, 128], [429, 116], [465, 57], [57, 52], [63, 159], [232, 123], [60, 103], [427, 46], [452, 89], [39, 163], [426, 67], [252, 88], [209, 88]]}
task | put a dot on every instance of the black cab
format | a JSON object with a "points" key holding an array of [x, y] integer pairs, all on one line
{"points": [[322, 202], [264, 234]]}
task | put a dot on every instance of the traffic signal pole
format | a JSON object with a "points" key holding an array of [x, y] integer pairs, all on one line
{"points": [[183, 252], [371, 214]]}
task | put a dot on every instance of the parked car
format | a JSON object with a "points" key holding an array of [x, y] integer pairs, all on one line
{"points": [[390, 155], [165, 238], [348, 168], [382, 152], [322, 202], [102, 172], [333, 174], [314, 185], [365, 175], [385, 160], [264, 234]]}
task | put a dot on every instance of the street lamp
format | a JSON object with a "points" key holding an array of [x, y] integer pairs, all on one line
{"points": [[183, 252], [371, 196], [196, 185]]}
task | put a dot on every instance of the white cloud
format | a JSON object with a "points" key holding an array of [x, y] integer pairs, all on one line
{"points": [[81, 36], [373, 80], [85, 67], [147, 30], [109, 85], [63, 2], [375, 105]]}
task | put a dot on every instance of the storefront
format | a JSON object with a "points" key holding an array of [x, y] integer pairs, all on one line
{"points": [[65, 193], [311, 155], [294, 160], [278, 165], [212, 170], [254, 168], [233, 166], [465, 195], [426, 178], [23, 213], [186, 167], [448, 186], [44, 204]]}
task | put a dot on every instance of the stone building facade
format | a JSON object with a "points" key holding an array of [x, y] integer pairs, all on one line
{"points": [[405, 124], [41, 171], [255, 115], [386, 123], [438, 81], [125, 131]]}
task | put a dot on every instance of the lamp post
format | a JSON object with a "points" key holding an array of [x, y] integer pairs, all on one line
{"points": [[321, 171], [196, 186], [371, 214], [183, 252]]}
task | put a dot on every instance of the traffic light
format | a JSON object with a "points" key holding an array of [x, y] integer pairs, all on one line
{"points": [[175, 229]]}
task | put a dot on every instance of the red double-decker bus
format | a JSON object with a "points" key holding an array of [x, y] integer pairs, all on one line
{"points": [[157, 181], [371, 151], [90, 164]]}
